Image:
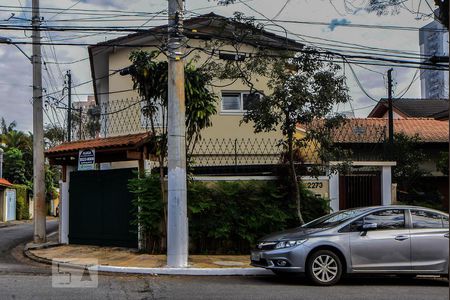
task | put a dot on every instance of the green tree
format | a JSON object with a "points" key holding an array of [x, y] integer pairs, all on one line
{"points": [[5, 128], [409, 156], [16, 139], [442, 164], [54, 135], [14, 166], [150, 79], [304, 89], [10, 138], [382, 7]]}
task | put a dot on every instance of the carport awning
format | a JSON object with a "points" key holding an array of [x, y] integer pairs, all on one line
{"points": [[110, 149]]}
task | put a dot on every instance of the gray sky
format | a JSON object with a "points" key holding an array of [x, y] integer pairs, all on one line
{"points": [[15, 69]]}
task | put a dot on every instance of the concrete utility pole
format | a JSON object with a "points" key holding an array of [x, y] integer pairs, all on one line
{"points": [[38, 131], [391, 113], [177, 224], [69, 106]]}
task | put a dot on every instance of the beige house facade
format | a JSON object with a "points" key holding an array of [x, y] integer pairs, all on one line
{"points": [[207, 36]]}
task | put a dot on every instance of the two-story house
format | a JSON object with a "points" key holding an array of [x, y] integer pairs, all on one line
{"points": [[227, 142]]}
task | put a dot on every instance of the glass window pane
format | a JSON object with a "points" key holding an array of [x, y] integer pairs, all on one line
{"points": [[231, 101], [426, 219], [445, 221], [247, 99], [335, 218], [387, 219]]}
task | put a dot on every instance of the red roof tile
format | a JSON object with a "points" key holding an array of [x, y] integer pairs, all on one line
{"points": [[131, 140], [374, 130], [4, 182]]}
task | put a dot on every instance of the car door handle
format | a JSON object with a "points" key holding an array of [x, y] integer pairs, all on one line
{"points": [[401, 237], [446, 235]]}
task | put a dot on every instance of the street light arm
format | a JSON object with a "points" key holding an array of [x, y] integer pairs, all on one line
{"points": [[23, 52], [8, 41]]}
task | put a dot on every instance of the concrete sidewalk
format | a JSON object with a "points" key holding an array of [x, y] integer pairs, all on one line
{"points": [[124, 260]]}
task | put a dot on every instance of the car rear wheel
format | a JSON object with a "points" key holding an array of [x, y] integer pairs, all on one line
{"points": [[324, 268]]}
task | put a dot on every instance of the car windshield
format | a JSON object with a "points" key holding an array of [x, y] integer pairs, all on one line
{"points": [[335, 219]]}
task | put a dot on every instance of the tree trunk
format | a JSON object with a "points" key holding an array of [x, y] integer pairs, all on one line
{"points": [[294, 182]]}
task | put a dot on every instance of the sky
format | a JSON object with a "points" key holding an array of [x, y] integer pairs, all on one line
{"points": [[16, 71]]}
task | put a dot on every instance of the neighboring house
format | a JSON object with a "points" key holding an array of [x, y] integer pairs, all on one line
{"points": [[367, 139], [412, 108], [7, 201], [433, 40], [227, 137]]}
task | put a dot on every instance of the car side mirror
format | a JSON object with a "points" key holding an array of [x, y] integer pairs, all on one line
{"points": [[369, 226], [366, 227]]}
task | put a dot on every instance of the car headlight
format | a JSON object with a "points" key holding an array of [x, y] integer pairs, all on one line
{"points": [[288, 244]]}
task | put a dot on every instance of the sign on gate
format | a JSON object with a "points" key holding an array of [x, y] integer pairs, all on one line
{"points": [[86, 160]]}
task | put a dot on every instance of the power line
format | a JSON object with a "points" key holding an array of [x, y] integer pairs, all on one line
{"points": [[365, 58], [281, 10], [131, 29], [358, 82], [76, 10], [60, 12]]}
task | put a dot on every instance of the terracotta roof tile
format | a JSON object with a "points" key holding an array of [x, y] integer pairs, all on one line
{"points": [[374, 130], [4, 182], [101, 143]]}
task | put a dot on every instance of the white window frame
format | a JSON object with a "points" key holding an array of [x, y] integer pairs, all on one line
{"points": [[241, 109]]}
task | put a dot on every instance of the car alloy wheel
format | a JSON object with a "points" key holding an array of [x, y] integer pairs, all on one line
{"points": [[324, 268]]}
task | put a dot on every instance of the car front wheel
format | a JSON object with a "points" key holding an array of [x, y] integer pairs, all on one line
{"points": [[324, 268]]}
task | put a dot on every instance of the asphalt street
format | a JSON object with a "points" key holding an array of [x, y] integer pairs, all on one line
{"points": [[22, 279], [11, 257]]}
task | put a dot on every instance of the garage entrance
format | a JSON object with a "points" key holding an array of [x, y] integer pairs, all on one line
{"points": [[100, 208]]}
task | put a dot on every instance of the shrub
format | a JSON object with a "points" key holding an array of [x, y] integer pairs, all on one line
{"points": [[226, 217], [22, 208], [147, 209]]}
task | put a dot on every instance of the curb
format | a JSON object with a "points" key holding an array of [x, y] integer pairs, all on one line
{"points": [[38, 259], [159, 271], [188, 271]]}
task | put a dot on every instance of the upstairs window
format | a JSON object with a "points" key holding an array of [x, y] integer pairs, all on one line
{"points": [[237, 102]]}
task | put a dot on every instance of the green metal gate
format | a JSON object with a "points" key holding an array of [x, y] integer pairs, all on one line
{"points": [[100, 208]]}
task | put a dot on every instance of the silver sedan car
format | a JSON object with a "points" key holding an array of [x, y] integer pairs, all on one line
{"points": [[403, 240]]}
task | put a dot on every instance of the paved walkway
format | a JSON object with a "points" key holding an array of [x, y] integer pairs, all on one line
{"points": [[124, 257]]}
